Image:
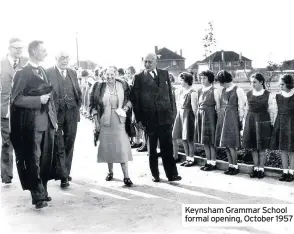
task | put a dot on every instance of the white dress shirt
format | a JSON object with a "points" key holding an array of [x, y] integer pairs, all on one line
{"points": [[60, 71], [11, 60], [151, 72]]}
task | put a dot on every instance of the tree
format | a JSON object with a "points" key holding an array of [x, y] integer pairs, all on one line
{"points": [[209, 42]]}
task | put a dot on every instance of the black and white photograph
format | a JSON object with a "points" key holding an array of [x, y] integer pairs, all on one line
{"points": [[156, 116]]}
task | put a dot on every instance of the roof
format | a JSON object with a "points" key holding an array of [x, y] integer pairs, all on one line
{"points": [[194, 65], [228, 56], [168, 54]]}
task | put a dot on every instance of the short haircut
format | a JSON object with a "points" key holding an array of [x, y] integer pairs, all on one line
{"points": [[187, 77], [259, 77], [96, 72], [121, 72], [132, 70], [209, 74], [85, 73], [172, 78], [33, 45], [288, 80], [14, 39], [224, 77]]}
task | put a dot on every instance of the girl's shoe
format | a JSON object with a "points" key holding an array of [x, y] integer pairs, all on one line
{"points": [[290, 178], [283, 177], [260, 174], [109, 177], [254, 174], [128, 182]]}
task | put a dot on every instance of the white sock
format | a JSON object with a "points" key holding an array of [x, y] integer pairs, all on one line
{"points": [[261, 169], [230, 165], [285, 171], [208, 162], [291, 171], [213, 163], [256, 169], [235, 166]]}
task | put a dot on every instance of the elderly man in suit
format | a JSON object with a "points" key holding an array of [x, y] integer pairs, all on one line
{"points": [[67, 99], [9, 65], [153, 108], [33, 123]]}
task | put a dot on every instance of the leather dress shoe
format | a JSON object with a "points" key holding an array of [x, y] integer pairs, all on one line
{"points": [[283, 177], [175, 178], [69, 178], [156, 179], [210, 168], [136, 145], [254, 174], [142, 148], [64, 183], [234, 171], [41, 204], [260, 174], [290, 178]]}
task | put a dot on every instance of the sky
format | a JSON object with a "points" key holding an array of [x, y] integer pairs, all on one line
{"points": [[121, 32]]}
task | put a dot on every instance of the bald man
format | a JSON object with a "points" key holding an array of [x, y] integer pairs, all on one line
{"points": [[153, 108], [67, 99]]}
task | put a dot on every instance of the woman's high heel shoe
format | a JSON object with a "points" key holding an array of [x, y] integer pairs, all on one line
{"points": [[109, 177], [128, 182]]}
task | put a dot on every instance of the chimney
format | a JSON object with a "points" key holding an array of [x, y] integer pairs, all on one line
{"points": [[240, 56], [181, 52], [223, 55], [156, 49]]}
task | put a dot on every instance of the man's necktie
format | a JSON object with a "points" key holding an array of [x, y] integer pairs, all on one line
{"points": [[15, 64], [63, 74], [155, 78]]}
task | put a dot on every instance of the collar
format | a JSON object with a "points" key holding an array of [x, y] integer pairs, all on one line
{"points": [[61, 70], [258, 93], [184, 92], [289, 94], [151, 72], [34, 65], [11, 60], [230, 88], [204, 89]]}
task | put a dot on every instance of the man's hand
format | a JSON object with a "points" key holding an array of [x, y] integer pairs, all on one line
{"points": [[56, 127], [45, 98]]}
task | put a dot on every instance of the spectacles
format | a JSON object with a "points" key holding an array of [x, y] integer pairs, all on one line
{"points": [[148, 61], [16, 48]]}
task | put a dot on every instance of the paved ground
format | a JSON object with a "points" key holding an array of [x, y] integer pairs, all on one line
{"points": [[92, 205]]}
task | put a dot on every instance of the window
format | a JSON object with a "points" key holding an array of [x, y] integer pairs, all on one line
{"points": [[229, 64], [174, 63]]}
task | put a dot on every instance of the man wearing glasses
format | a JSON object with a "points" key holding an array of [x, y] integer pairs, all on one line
{"points": [[153, 108], [8, 67], [67, 99]]}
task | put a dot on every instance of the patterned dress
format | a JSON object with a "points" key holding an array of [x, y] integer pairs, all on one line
{"points": [[206, 117], [257, 129], [185, 119], [283, 133], [228, 124]]}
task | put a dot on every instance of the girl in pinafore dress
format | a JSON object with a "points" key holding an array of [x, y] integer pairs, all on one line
{"points": [[184, 122], [259, 118], [229, 122], [206, 117], [283, 133]]}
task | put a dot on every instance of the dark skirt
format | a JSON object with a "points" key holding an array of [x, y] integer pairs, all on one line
{"points": [[283, 133], [228, 128], [257, 131], [184, 125], [205, 126]]}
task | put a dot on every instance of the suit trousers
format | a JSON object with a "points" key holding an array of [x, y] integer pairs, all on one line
{"points": [[6, 152], [65, 140], [163, 133], [43, 145]]}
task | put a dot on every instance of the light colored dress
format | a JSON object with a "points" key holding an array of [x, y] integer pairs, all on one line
{"points": [[114, 145]]}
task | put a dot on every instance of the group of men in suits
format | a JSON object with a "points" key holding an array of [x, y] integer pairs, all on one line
{"points": [[42, 107], [44, 113]]}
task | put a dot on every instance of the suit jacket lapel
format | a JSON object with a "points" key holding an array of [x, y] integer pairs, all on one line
{"points": [[8, 67], [151, 81], [73, 84]]}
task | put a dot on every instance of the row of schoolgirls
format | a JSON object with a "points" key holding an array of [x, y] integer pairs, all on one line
{"points": [[220, 118]]}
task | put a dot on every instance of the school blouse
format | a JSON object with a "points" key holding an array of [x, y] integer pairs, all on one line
{"points": [[217, 96]]}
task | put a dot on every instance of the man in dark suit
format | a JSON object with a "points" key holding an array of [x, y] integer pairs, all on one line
{"points": [[8, 67], [153, 108], [67, 100], [33, 123]]}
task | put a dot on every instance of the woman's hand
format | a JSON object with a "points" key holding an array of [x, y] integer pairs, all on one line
{"points": [[97, 126]]}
